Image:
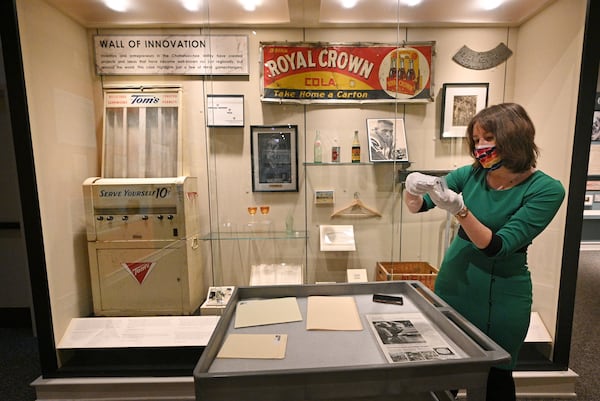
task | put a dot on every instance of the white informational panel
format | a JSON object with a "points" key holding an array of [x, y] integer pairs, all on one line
{"points": [[171, 54], [225, 110]]}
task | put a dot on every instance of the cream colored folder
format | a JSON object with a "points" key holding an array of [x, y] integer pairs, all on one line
{"points": [[259, 312], [254, 346], [332, 313]]}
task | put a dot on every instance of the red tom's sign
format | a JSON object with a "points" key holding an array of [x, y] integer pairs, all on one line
{"points": [[340, 73]]}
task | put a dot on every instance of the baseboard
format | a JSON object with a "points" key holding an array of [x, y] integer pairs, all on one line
{"points": [[589, 246], [546, 384], [530, 385], [116, 389], [15, 318]]}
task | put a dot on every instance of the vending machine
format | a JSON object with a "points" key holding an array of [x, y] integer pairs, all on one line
{"points": [[143, 243]]}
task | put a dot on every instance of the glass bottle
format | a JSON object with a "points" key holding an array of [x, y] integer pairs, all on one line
{"points": [[410, 75], [402, 70], [318, 150], [335, 151], [393, 70], [356, 148]]}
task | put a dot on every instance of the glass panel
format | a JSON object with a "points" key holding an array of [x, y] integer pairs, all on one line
{"points": [[148, 145]]}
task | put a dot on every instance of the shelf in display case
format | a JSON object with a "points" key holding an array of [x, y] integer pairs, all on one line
{"points": [[274, 235], [399, 163], [338, 164]]}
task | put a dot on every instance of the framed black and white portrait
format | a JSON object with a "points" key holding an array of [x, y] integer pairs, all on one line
{"points": [[596, 128], [460, 103], [387, 140], [274, 158]]}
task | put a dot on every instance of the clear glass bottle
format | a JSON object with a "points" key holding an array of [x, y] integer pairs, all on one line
{"points": [[318, 149]]}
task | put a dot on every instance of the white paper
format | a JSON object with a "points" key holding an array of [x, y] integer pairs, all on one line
{"points": [[332, 313], [337, 238], [132, 332], [225, 111], [274, 274], [254, 346], [357, 275], [267, 311]]}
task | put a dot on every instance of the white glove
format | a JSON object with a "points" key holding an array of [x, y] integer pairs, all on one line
{"points": [[418, 184], [448, 200]]}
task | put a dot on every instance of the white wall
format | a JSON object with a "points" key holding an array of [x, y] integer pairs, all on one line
{"points": [[59, 82]]}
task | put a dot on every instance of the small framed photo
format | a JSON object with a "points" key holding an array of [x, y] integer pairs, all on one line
{"points": [[460, 103], [274, 158], [225, 110], [596, 128], [387, 140]]}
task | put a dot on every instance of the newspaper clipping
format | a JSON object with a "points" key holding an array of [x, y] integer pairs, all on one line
{"points": [[409, 337]]}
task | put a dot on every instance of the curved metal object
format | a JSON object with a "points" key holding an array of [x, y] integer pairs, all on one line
{"points": [[471, 59]]}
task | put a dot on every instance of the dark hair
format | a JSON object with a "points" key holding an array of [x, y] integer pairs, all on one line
{"points": [[514, 133]]}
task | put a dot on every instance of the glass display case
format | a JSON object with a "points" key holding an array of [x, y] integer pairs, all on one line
{"points": [[64, 148]]}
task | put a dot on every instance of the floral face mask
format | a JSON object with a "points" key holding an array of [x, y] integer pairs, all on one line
{"points": [[488, 157]]}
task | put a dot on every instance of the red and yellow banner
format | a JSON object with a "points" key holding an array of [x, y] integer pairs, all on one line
{"points": [[338, 73]]}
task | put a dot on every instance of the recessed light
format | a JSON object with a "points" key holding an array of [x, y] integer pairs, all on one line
{"points": [[491, 4], [191, 5], [250, 5], [349, 3], [116, 5], [412, 3]]}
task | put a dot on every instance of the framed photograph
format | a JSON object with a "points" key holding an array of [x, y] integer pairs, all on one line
{"points": [[225, 110], [274, 158], [596, 128], [387, 140], [460, 103]]}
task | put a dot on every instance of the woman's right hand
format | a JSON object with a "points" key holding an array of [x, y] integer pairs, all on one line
{"points": [[419, 184]]}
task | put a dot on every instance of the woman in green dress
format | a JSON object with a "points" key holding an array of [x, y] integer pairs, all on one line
{"points": [[502, 202]]}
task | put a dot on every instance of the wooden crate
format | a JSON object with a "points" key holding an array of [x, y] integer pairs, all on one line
{"points": [[422, 271]]}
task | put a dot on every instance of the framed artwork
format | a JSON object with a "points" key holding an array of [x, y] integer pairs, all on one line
{"points": [[274, 158], [596, 122], [387, 140], [596, 128], [460, 103]]}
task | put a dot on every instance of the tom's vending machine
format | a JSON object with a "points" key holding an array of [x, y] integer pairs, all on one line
{"points": [[143, 243]]}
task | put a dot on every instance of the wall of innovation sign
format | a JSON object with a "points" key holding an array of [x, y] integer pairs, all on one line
{"points": [[171, 54]]}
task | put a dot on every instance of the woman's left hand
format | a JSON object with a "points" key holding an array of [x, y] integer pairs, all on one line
{"points": [[448, 200]]}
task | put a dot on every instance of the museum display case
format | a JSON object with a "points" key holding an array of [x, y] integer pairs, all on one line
{"points": [[321, 214]]}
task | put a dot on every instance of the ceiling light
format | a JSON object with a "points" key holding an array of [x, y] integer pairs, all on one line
{"points": [[349, 3], [116, 5], [412, 3], [250, 5], [491, 4], [191, 5]]}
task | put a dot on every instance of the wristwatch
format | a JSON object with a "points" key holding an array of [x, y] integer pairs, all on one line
{"points": [[462, 213]]}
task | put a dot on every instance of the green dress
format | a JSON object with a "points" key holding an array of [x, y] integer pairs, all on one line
{"points": [[494, 291]]}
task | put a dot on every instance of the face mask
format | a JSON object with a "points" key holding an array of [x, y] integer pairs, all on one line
{"points": [[488, 157]]}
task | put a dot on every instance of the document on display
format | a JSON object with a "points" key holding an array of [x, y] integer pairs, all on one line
{"points": [[410, 337], [332, 313], [260, 312], [254, 346]]}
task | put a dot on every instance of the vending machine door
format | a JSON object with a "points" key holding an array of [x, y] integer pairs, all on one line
{"points": [[130, 281]]}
